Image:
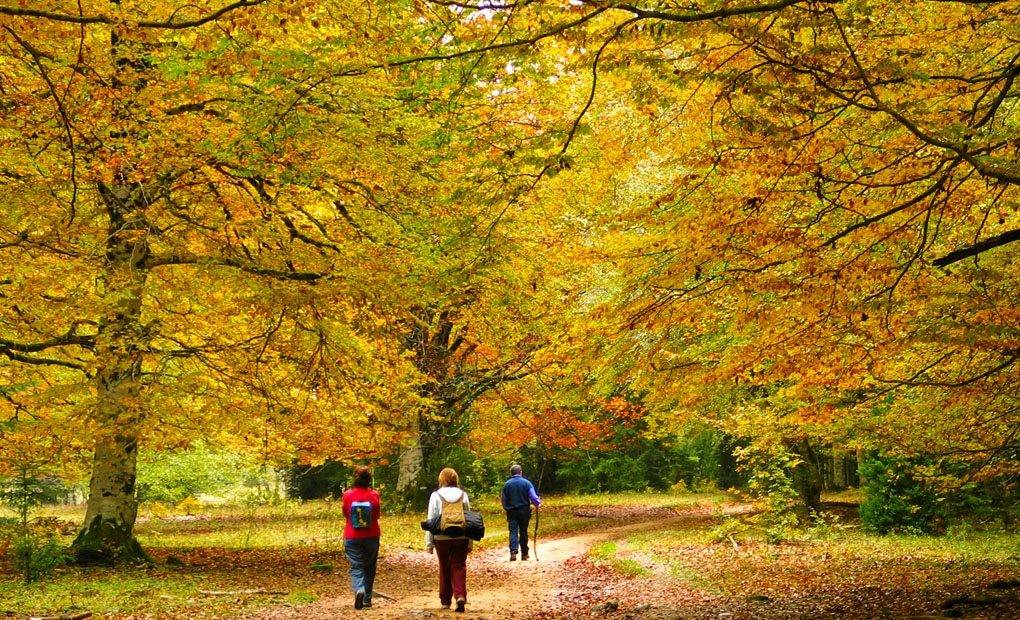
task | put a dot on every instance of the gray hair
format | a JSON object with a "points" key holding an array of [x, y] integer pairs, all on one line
{"points": [[515, 469]]}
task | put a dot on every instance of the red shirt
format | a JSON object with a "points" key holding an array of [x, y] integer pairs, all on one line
{"points": [[358, 494]]}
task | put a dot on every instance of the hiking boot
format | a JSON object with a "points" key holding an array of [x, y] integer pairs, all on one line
{"points": [[444, 606], [359, 600], [524, 557], [513, 556], [460, 605], [368, 604]]}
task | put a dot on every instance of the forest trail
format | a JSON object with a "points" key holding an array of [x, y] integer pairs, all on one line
{"points": [[497, 588]]}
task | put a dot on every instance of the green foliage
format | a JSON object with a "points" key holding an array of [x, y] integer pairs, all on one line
{"points": [[631, 462], [604, 473], [706, 460], [173, 476], [479, 474], [896, 500], [260, 495]]}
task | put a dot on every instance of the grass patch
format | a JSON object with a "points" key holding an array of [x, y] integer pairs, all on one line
{"points": [[301, 598], [608, 554]]}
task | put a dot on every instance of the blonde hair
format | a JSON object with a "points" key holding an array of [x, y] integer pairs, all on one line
{"points": [[449, 478]]}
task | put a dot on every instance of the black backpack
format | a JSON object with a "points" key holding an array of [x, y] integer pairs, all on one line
{"points": [[474, 526]]}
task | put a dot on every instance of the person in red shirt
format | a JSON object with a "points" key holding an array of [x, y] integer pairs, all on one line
{"points": [[361, 535]]}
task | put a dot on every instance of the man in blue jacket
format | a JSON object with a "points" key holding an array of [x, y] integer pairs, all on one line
{"points": [[517, 496]]}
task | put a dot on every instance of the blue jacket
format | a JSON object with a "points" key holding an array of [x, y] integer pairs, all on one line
{"points": [[517, 492]]}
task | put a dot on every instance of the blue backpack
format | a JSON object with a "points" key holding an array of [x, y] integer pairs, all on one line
{"points": [[361, 515]]}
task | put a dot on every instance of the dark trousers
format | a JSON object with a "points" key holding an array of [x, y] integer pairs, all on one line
{"points": [[362, 553], [452, 556], [517, 519]]}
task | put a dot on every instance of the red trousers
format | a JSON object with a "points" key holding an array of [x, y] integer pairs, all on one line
{"points": [[452, 556]]}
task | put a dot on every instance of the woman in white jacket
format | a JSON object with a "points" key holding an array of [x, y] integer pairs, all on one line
{"points": [[452, 551]]}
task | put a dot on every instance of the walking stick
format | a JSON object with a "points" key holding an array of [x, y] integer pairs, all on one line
{"points": [[534, 537]]}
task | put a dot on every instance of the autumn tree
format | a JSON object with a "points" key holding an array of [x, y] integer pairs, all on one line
{"points": [[816, 207], [199, 213]]}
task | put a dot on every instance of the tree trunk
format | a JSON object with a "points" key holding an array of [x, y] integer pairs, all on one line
{"points": [[807, 476], [410, 475], [838, 471], [107, 535]]}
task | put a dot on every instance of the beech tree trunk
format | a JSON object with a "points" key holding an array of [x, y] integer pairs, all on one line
{"points": [[410, 475], [107, 534]]}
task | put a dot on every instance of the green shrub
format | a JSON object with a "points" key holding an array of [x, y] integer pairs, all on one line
{"points": [[825, 526], [896, 501]]}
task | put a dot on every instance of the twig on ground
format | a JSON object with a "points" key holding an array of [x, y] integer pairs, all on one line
{"points": [[733, 541], [81, 616], [381, 595]]}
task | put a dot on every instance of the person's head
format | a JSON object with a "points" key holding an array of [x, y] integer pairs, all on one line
{"points": [[515, 470], [449, 478], [362, 477]]}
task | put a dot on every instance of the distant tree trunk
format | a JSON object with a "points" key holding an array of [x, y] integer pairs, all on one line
{"points": [[410, 473], [729, 474], [849, 462], [839, 481], [807, 476], [829, 462]]}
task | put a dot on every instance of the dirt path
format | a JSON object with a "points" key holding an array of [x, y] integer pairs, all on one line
{"points": [[497, 588]]}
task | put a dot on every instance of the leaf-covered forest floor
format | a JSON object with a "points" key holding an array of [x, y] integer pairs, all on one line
{"points": [[637, 556]]}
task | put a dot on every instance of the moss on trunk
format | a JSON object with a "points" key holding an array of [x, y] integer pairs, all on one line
{"points": [[107, 542]]}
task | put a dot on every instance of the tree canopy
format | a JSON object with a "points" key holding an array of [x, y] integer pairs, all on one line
{"points": [[326, 230]]}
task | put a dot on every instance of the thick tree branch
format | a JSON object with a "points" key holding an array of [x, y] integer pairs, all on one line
{"points": [[687, 18], [40, 361], [167, 24], [71, 338], [981, 246]]}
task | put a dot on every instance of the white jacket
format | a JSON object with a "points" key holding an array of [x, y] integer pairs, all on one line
{"points": [[450, 494]]}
